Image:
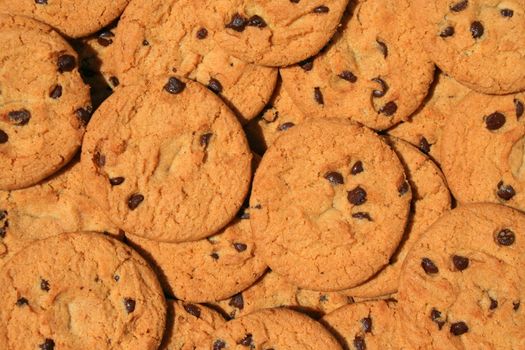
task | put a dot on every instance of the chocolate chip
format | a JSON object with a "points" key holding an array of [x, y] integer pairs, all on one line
{"points": [[448, 31], [285, 126], [424, 146], [505, 192], [193, 310], [519, 108], [22, 301], [403, 188], [384, 88], [129, 304], [41, 2], [145, 42], [256, 21], [307, 64], [174, 86], [460, 262], [116, 278], [334, 178], [84, 114], [3, 214], [134, 201], [428, 266], [114, 81], [318, 95], [215, 86], [48, 344], [389, 109], [99, 159], [362, 216], [357, 196], [3, 230], [238, 23], [247, 340], [505, 237], [357, 168], [115, 181], [435, 315], [476, 29], [383, 48], [66, 63], [44, 285], [493, 304], [104, 38], [321, 9], [237, 301], [366, 324], [507, 13], [20, 117], [214, 256], [348, 76], [495, 121], [219, 344], [458, 328], [295, 1], [460, 6], [205, 139], [240, 247], [359, 343], [202, 33], [56, 92], [515, 305]]}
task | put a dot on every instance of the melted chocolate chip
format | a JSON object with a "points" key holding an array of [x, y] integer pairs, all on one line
{"points": [[41, 2], [285, 126], [362, 216], [193, 310], [237, 301], [205, 139], [321, 9], [507, 13], [383, 48], [307, 64], [460, 262], [357, 196], [115, 181], [116, 278], [403, 188], [44, 285], [295, 1], [519, 108], [214, 256], [22, 301], [3, 214], [435, 316], [424, 146], [145, 42], [215, 86], [56, 92], [515, 305], [458, 328], [247, 340], [334, 178], [318, 96], [174, 86], [505, 192], [359, 343], [240, 247], [238, 23], [495, 121], [348, 76], [129, 304], [256, 21], [134, 201], [366, 324], [84, 114], [460, 6], [477, 29], [357, 168], [114, 81], [66, 63], [448, 31], [202, 33], [493, 304], [48, 344], [428, 266], [99, 159], [20, 117], [505, 237], [384, 88], [104, 38], [219, 344], [389, 109]]}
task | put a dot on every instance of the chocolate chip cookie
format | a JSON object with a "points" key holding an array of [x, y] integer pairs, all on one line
{"points": [[167, 161], [373, 72], [44, 105], [463, 284], [330, 202], [80, 291]]}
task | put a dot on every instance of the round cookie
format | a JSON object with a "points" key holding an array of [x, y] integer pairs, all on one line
{"points": [[44, 104], [167, 162], [424, 128], [276, 33], [158, 37], [188, 325], [477, 42], [430, 200], [463, 284], [329, 204], [368, 325], [60, 293], [209, 269], [358, 76], [273, 290], [272, 329], [54, 206], [280, 114], [72, 18], [482, 150]]}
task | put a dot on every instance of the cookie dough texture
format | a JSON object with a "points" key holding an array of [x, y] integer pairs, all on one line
{"points": [[61, 291], [42, 97], [273, 329], [158, 37], [482, 150], [373, 72], [329, 204], [430, 200], [73, 18], [477, 42], [274, 32], [210, 269], [166, 166], [463, 283]]}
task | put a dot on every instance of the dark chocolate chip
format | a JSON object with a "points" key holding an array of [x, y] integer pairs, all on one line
{"points": [[334, 178], [219, 344], [476, 29], [321, 9], [389, 109], [505, 237], [435, 315], [256, 21], [383, 48], [359, 343], [193, 309], [403, 188], [238, 23], [357, 168], [460, 6], [66, 63], [44, 285], [384, 88], [104, 38], [366, 324], [129, 304], [237, 301], [174, 86], [448, 31], [3, 214], [240, 247], [205, 139], [247, 340], [493, 304], [424, 146], [56, 92], [460, 262], [285, 126], [145, 42], [519, 108], [48, 344], [20, 117], [215, 86], [495, 121], [84, 114], [318, 95], [116, 278], [357, 196], [458, 328], [307, 64], [115, 181], [3, 230], [505, 192], [214, 256], [134, 201], [99, 159], [114, 81], [22, 301], [41, 2], [362, 216], [428, 266], [515, 305], [348, 76], [507, 12], [202, 33]]}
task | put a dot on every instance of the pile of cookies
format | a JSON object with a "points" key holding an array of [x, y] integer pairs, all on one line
{"points": [[248, 174]]}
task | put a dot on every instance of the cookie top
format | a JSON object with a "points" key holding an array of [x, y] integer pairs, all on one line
{"points": [[423, 130], [71, 18], [358, 76], [477, 42], [280, 114], [54, 206], [367, 325], [209, 269], [482, 150], [463, 283], [272, 329], [159, 37], [276, 33], [44, 104], [430, 200], [106, 298], [273, 290], [326, 184], [150, 151], [188, 325]]}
